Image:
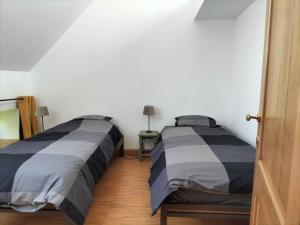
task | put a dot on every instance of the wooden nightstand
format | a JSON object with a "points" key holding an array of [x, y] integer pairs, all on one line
{"points": [[147, 142]]}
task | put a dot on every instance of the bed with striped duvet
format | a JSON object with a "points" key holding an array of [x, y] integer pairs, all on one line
{"points": [[58, 167], [198, 158]]}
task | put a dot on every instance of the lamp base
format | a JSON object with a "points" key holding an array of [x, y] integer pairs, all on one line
{"points": [[148, 131]]}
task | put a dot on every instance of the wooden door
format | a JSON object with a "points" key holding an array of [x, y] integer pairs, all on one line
{"points": [[276, 193]]}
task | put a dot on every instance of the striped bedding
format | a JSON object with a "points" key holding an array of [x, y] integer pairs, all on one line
{"points": [[205, 159], [59, 166]]}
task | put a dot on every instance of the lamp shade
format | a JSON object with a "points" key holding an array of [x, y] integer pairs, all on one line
{"points": [[42, 111], [148, 110]]}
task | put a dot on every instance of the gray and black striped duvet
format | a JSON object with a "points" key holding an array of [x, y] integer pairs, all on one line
{"points": [[59, 166], [204, 159]]}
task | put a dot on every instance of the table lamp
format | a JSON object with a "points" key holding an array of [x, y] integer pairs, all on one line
{"points": [[41, 112], [148, 111]]}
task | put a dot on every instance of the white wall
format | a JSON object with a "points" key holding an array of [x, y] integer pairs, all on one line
{"points": [[12, 85], [122, 54], [247, 69]]}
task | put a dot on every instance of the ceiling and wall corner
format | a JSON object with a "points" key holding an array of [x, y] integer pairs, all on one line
{"points": [[222, 9], [29, 28], [197, 6]]}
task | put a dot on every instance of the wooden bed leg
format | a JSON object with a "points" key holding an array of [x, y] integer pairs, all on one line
{"points": [[163, 215], [122, 150]]}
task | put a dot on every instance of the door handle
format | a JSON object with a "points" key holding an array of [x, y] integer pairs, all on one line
{"points": [[257, 117]]}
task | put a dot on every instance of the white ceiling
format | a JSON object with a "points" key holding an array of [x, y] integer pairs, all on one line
{"points": [[222, 9], [29, 28]]}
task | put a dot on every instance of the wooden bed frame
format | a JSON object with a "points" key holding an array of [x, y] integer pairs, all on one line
{"points": [[49, 208], [203, 211]]}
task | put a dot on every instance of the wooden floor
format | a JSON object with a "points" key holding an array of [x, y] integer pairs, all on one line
{"points": [[5, 142], [121, 198]]}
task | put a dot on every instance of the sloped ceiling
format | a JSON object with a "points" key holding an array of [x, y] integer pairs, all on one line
{"points": [[222, 9], [29, 28]]}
